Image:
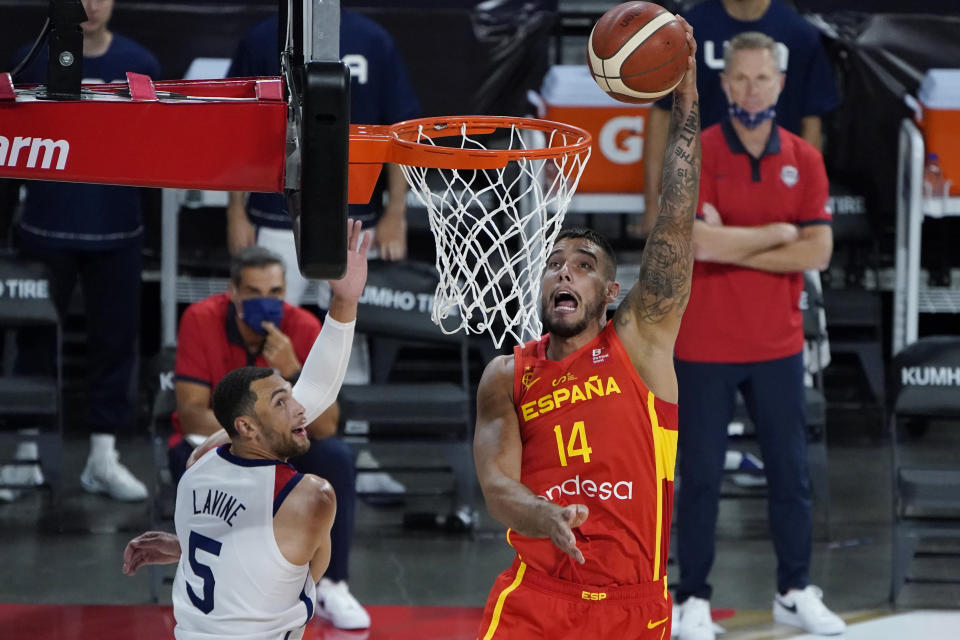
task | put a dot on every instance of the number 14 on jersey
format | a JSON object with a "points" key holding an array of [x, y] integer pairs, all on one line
{"points": [[576, 444]]}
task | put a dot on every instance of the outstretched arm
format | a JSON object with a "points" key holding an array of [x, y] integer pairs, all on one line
{"points": [[322, 373], [648, 320], [654, 144], [240, 231], [497, 451]]}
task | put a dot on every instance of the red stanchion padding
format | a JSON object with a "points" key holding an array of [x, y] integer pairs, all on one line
{"points": [[141, 87], [6, 87], [210, 134]]}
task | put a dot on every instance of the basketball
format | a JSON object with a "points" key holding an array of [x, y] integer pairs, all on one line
{"points": [[637, 52]]}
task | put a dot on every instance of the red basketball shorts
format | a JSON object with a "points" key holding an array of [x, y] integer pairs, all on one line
{"points": [[526, 604]]}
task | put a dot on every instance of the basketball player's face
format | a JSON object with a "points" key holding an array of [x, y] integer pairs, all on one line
{"points": [[575, 290], [283, 425], [98, 15], [752, 79]]}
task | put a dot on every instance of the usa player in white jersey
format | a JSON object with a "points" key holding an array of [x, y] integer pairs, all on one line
{"points": [[253, 534]]}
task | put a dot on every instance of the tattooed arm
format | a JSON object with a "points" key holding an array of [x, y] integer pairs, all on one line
{"points": [[648, 319]]}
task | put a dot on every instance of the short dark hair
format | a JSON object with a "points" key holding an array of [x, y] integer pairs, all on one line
{"points": [[233, 397], [597, 239], [253, 256]]}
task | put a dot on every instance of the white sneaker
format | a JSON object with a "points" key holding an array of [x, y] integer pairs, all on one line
{"points": [[365, 460], [18, 474], [379, 482], [694, 621], [105, 474], [804, 608], [337, 604], [747, 462], [11, 474]]}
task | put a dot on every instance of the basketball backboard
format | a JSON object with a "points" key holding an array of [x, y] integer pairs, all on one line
{"points": [[286, 135], [316, 185]]}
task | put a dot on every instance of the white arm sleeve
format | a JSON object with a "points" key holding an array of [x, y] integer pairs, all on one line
{"points": [[322, 374]]}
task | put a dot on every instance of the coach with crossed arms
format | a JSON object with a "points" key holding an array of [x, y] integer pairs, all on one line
{"points": [[763, 219]]}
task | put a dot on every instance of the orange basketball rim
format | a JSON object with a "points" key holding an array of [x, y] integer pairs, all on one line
{"points": [[420, 143]]}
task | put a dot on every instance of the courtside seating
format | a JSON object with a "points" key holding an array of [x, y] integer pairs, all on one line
{"points": [[429, 408], [924, 383], [31, 402]]}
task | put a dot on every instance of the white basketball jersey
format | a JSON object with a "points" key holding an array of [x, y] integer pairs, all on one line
{"points": [[232, 580]]}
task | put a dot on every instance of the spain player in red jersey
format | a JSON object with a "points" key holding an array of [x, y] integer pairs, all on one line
{"points": [[577, 432]]}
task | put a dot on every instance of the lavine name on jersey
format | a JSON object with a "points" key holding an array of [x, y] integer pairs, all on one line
{"points": [[219, 504]]}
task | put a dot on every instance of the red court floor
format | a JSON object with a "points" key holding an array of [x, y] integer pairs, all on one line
{"points": [[154, 622]]}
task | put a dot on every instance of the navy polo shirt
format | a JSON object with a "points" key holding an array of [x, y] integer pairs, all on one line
{"points": [[380, 93], [64, 215], [809, 89]]}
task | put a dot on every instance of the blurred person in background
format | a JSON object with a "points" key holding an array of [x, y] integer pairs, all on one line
{"points": [[92, 234]]}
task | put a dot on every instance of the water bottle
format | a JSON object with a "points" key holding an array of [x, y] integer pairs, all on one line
{"points": [[933, 184]]}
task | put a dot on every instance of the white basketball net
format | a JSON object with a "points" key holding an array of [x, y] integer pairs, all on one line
{"points": [[493, 229]]}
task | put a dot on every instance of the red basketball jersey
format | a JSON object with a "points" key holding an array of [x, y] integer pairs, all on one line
{"points": [[594, 434]]}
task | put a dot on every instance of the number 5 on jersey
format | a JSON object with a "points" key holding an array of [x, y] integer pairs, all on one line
{"points": [[576, 443], [202, 571]]}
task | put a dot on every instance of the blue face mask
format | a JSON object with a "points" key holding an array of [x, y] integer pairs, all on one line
{"points": [[748, 119], [258, 310]]}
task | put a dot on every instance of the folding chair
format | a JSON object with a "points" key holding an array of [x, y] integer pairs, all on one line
{"points": [[32, 402], [158, 385], [406, 415], [924, 383]]}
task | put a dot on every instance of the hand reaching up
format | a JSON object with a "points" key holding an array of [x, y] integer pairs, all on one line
{"points": [[350, 286]]}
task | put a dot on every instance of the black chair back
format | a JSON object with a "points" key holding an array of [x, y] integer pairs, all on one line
{"points": [[924, 378], [25, 295], [398, 301]]}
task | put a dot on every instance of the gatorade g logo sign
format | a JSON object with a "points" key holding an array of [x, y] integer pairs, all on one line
{"points": [[23, 289], [621, 139]]}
